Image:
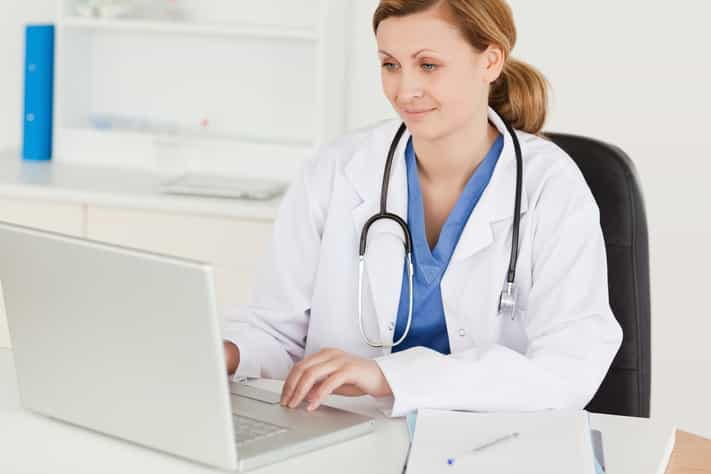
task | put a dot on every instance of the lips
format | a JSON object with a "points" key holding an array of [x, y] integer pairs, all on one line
{"points": [[417, 113]]}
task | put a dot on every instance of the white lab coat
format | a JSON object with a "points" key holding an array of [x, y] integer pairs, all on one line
{"points": [[554, 354]]}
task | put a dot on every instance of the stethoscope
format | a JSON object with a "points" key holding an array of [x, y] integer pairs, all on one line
{"points": [[507, 298]]}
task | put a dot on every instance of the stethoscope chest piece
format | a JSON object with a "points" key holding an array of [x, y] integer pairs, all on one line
{"points": [[507, 301]]}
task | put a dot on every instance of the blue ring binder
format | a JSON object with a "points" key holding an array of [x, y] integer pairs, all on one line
{"points": [[39, 83]]}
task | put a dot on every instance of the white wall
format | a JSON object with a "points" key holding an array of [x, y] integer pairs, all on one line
{"points": [[634, 73]]}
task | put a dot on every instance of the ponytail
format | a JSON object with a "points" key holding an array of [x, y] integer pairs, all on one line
{"points": [[520, 96]]}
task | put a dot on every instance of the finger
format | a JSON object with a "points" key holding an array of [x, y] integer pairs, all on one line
{"points": [[350, 390], [312, 393], [297, 372], [298, 369], [310, 377], [334, 381]]}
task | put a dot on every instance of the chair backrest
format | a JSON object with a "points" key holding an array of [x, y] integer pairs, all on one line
{"points": [[611, 176]]}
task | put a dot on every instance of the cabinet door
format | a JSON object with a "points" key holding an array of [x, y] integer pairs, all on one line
{"points": [[65, 218], [57, 217], [234, 247], [4, 332]]}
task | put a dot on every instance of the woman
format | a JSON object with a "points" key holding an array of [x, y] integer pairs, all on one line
{"points": [[447, 71]]}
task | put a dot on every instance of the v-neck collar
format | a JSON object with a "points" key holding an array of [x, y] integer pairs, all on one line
{"points": [[431, 262]]}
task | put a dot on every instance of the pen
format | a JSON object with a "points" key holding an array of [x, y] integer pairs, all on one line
{"points": [[484, 446]]}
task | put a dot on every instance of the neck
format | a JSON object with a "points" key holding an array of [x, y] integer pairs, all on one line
{"points": [[451, 160]]}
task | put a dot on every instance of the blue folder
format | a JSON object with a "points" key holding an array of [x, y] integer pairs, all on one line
{"points": [[39, 84]]}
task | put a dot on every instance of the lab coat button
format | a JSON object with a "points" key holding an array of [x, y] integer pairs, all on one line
{"points": [[391, 326], [462, 332]]}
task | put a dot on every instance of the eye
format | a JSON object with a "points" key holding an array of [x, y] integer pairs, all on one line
{"points": [[389, 66], [429, 67]]}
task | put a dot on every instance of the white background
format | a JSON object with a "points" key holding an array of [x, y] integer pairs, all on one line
{"points": [[634, 73]]}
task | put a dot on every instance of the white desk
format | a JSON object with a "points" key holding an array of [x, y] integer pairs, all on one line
{"points": [[31, 443]]}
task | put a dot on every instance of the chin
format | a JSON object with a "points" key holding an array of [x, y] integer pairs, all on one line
{"points": [[423, 130]]}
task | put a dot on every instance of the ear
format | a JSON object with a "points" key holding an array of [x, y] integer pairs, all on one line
{"points": [[494, 59]]}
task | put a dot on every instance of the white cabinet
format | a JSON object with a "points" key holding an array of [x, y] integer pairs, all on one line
{"points": [[236, 87], [57, 217], [207, 86], [233, 246]]}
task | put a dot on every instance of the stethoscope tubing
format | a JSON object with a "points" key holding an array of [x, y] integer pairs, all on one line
{"points": [[507, 296]]}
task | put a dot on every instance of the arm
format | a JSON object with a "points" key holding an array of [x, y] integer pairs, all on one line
{"points": [[573, 335], [269, 333]]}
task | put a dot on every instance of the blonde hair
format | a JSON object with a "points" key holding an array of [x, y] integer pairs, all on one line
{"points": [[520, 94]]}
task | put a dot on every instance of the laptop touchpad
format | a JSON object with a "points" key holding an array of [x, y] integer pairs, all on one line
{"points": [[242, 390]]}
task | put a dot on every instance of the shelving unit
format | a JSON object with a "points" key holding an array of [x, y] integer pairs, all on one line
{"points": [[256, 31], [250, 88]]}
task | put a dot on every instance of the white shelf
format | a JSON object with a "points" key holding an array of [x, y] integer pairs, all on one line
{"points": [[175, 154], [245, 139], [198, 138], [268, 77], [181, 27]]}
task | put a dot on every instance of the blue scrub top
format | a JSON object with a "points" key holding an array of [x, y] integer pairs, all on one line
{"points": [[428, 327]]}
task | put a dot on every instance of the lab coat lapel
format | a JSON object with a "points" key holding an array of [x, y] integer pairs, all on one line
{"points": [[497, 201], [385, 250]]}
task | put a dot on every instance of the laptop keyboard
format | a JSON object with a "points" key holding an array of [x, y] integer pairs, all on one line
{"points": [[248, 430]]}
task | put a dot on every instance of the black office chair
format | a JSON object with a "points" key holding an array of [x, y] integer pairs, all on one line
{"points": [[611, 176]]}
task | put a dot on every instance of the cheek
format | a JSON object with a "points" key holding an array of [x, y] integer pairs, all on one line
{"points": [[459, 94], [389, 87]]}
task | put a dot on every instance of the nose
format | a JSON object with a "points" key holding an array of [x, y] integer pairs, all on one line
{"points": [[410, 87]]}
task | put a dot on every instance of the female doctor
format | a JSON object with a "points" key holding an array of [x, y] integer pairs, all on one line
{"points": [[506, 307]]}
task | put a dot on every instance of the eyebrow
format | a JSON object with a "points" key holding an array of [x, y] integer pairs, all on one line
{"points": [[413, 56]]}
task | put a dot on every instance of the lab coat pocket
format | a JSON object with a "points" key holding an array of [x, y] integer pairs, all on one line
{"points": [[512, 333]]}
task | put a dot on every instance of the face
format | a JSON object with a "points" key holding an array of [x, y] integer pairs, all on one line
{"points": [[435, 80]]}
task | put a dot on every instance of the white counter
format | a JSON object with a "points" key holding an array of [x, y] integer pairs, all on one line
{"points": [[113, 187]]}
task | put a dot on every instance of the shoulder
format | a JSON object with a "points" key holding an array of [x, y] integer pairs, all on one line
{"points": [[341, 150], [336, 155], [319, 175], [550, 173]]}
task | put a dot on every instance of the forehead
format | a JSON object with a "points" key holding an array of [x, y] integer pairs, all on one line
{"points": [[408, 34]]}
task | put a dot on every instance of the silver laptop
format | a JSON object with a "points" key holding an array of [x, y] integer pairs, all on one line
{"points": [[127, 343]]}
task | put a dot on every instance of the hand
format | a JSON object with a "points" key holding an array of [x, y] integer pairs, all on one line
{"points": [[231, 356], [332, 371]]}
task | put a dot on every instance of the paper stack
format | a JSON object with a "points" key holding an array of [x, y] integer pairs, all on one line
{"points": [[547, 442]]}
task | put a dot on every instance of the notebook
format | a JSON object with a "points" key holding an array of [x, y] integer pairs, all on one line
{"points": [[547, 442]]}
